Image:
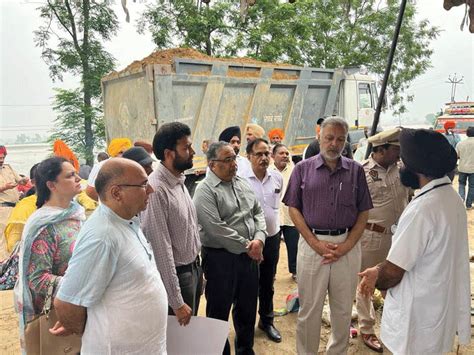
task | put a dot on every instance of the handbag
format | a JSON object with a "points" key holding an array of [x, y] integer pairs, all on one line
{"points": [[38, 339]]}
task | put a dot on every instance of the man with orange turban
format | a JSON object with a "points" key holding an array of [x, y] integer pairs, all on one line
{"points": [[115, 149], [452, 137], [276, 135]]}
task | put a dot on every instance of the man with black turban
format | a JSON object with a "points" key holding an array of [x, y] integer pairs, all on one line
{"points": [[426, 273], [232, 135]]}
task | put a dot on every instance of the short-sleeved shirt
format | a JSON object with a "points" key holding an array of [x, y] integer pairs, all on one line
{"points": [[328, 200], [432, 302], [268, 192], [389, 196], [465, 150], [113, 274], [8, 175]]}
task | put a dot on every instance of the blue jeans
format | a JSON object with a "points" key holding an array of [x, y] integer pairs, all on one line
{"points": [[463, 178]]}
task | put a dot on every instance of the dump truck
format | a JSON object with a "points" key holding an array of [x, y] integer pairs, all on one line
{"points": [[209, 94]]}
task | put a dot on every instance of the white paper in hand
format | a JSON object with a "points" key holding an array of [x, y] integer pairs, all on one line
{"points": [[201, 336]]}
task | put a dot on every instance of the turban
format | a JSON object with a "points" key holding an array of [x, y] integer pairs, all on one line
{"points": [[118, 145], [3, 150], [449, 125], [427, 152], [227, 134], [390, 136], [255, 129], [61, 149], [276, 132], [144, 145]]}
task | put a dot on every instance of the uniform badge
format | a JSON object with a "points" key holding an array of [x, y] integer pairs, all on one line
{"points": [[374, 174]]}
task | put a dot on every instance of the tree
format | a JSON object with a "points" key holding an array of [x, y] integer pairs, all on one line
{"points": [[319, 33], [78, 27]]}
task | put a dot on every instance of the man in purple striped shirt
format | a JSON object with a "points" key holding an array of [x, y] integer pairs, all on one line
{"points": [[329, 202]]}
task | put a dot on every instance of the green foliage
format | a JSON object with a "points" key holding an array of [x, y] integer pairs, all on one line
{"points": [[70, 108], [71, 41], [319, 33]]}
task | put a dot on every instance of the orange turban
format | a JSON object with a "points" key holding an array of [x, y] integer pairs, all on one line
{"points": [[118, 145], [145, 145], [449, 125], [61, 149], [276, 132]]}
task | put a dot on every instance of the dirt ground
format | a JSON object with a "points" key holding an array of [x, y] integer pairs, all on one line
{"points": [[284, 285]]}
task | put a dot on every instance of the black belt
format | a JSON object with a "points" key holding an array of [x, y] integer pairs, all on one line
{"points": [[331, 231], [189, 267], [7, 204]]}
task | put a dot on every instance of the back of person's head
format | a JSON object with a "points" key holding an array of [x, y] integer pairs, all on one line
{"points": [[102, 156], [48, 170], [255, 142], [470, 131], [167, 137]]}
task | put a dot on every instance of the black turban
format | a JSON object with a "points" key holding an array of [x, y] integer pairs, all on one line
{"points": [[427, 152], [227, 134]]}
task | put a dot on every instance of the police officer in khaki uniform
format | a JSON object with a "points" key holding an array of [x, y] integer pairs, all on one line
{"points": [[9, 196], [389, 198]]}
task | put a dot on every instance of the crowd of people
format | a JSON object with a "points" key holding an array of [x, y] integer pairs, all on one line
{"points": [[97, 266]]}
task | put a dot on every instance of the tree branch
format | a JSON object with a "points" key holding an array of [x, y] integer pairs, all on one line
{"points": [[73, 27], [59, 19]]}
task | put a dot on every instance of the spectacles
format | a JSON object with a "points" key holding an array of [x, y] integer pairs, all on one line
{"points": [[227, 160], [144, 185], [261, 154]]}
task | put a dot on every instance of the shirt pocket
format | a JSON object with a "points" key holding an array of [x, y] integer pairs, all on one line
{"points": [[347, 195], [272, 200]]}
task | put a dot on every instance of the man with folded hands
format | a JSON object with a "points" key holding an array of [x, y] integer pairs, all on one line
{"points": [[328, 200]]}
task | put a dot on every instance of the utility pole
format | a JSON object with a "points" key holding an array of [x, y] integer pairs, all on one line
{"points": [[454, 81]]}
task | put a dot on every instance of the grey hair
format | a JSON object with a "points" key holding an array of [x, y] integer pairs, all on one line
{"points": [[214, 149], [335, 121]]}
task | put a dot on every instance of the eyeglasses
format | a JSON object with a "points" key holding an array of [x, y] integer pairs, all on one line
{"points": [[227, 160], [261, 154], [144, 185]]}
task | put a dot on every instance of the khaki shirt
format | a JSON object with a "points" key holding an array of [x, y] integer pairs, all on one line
{"points": [[389, 196], [285, 219], [7, 174]]}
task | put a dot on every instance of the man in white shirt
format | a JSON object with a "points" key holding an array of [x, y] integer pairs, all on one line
{"points": [[465, 150], [112, 292], [267, 185], [426, 273]]}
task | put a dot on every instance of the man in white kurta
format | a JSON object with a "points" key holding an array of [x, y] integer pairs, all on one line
{"points": [[427, 268], [423, 312]]}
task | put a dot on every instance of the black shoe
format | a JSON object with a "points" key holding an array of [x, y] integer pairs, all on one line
{"points": [[272, 333]]}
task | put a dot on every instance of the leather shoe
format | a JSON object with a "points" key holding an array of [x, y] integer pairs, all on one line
{"points": [[372, 342], [272, 333]]}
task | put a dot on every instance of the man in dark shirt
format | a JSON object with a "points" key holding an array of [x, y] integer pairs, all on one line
{"points": [[328, 201]]}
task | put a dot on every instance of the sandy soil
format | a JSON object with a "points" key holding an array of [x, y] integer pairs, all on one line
{"points": [[284, 285]]}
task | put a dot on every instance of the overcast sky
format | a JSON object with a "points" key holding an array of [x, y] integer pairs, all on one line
{"points": [[26, 88]]}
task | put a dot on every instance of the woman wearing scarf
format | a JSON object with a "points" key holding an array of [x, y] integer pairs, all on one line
{"points": [[46, 247]]}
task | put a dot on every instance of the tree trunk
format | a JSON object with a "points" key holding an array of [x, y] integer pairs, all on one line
{"points": [[86, 80]]}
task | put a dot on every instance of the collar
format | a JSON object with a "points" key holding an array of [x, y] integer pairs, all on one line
{"points": [[372, 164], [434, 183], [251, 174], [169, 177], [134, 221], [341, 163]]}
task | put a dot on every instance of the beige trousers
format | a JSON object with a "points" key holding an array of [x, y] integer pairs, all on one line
{"points": [[4, 215], [339, 281], [375, 247]]}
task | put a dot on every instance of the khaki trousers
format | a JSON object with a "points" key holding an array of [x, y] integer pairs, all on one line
{"points": [[339, 281], [4, 215], [375, 247]]}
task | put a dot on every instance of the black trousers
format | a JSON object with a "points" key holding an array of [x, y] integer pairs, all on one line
{"points": [[268, 268], [232, 281], [291, 235], [190, 283]]}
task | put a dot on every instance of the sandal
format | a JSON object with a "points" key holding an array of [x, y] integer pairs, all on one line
{"points": [[372, 342]]}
